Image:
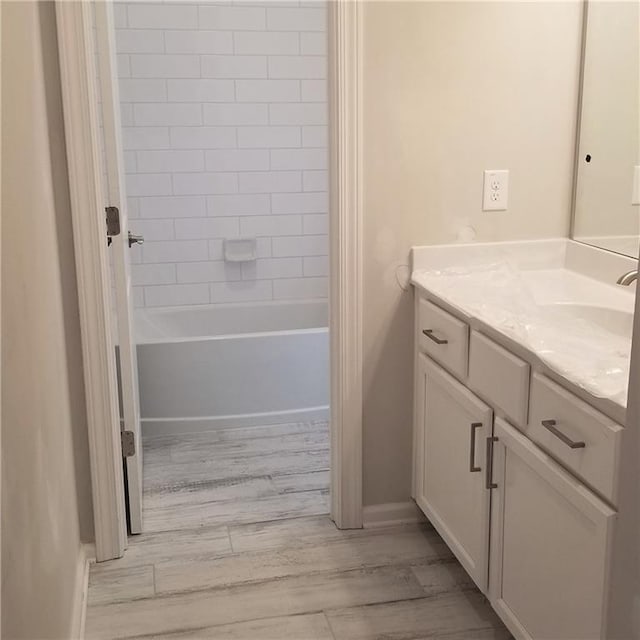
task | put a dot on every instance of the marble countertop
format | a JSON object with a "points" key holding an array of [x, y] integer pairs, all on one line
{"points": [[534, 294]]}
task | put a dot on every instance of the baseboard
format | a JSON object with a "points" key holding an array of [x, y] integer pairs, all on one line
{"points": [[168, 426], [391, 513], [86, 556]]}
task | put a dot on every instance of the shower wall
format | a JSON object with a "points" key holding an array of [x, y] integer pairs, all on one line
{"points": [[224, 113]]}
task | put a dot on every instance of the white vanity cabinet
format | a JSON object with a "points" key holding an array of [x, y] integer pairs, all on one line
{"points": [[528, 511], [549, 544], [452, 428]]}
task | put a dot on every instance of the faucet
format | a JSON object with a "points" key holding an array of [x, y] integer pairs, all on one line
{"points": [[627, 278]]}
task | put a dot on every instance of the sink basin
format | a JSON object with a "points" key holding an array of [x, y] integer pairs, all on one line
{"points": [[616, 321]]}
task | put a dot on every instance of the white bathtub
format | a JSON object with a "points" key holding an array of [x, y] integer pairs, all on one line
{"points": [[205, 367]]}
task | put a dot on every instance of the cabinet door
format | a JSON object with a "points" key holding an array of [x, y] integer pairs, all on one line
{"points": [[450, 479], [550, 540]]}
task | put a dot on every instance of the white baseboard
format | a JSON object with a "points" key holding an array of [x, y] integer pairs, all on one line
{"points": [[86, 556], [169, 426], [391, 513]]}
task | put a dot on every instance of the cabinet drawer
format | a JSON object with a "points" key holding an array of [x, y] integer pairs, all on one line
{"points": [[500, 377], [579, 437], [443, 337]]}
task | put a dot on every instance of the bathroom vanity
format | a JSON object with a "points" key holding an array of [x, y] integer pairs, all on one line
{"points": [[521, 369]]}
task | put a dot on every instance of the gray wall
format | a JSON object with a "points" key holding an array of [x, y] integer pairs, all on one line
{"points": [[451, 89], [46, 503]]}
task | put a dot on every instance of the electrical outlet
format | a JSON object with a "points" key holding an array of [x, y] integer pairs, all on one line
{"points": [[495, 195]]}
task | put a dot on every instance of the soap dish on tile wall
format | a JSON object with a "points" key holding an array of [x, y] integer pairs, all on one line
{"points": [[240, 249]]}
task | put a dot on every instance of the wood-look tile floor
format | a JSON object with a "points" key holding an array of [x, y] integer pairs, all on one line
{"points": [[238, 546]]}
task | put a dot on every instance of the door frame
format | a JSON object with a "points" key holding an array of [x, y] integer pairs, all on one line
{"points": [[76, 51]]}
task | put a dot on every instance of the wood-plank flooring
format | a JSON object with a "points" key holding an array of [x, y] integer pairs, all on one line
{"points": [[238, 545]]}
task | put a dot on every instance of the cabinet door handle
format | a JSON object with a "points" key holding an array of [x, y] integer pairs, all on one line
{"points": [[472, 448], [429, 334], [489, 477], [551, 426]]}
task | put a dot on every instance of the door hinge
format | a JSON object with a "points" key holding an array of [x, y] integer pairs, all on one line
{"points": [[113, 222], [128, 442]]}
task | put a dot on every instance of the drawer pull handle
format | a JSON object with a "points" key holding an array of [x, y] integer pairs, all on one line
{"points": [[551, 426], [472, 449], [429, 334], [489, 477]]}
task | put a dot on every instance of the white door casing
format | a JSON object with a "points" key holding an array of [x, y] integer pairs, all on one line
{"points": [[77, 69], [114, 163], [76, 48]]}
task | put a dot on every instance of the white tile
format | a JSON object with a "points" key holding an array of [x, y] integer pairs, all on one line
{"points": [[197, 228], [165, 66], [237, 160], [204, 183], [315, 181], [300, 246], [300, 159], [236, 114], [269, 137], [202, 137], [154, 230], [218, 271], [158, 15], [133, 207], [270, 182], [313, 44], [200, 90], [274, 43], [315, 266], [120, 15], [312, 67], [269, 268], [146, 274], [175, 251], [169, 161], [316, 224], [242, 291], [199, 41], [299, 203], [164, 114], [142, 90], [315, 137], [232, 18], [315, 91], [124, 65], [303, 114], [170, 295], [139, 41], [126, 115], [300, 288], [173, 207], [267, 90], [129, 158], [271, 226], [297, 19], [239, 205], [148, 184], [234, 66]]}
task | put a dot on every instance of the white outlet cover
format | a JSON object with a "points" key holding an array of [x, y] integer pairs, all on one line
{"points": [[495, 193]]}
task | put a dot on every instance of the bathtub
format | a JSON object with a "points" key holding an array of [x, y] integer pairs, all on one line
{"points": [[207, 367]]}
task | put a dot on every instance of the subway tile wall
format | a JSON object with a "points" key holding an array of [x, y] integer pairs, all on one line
{"points": [[224, 114]]}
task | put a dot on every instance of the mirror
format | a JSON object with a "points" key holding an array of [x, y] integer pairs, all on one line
{"points": [[607, 190]]}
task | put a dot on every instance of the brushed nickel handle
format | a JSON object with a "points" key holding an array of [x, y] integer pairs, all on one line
{"points": [[429, 334], [489, 484], [551, 426], [472, 449], [135, 239]]}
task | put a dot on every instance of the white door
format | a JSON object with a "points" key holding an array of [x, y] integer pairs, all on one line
{"points": [[450, 482], [550, 542], [120, 255]]}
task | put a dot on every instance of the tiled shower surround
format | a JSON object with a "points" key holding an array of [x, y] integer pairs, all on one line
{"points": [[224, 113]]}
